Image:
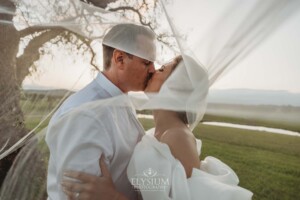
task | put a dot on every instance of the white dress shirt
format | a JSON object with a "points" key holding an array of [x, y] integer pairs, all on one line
{"points": [[84, 128]]}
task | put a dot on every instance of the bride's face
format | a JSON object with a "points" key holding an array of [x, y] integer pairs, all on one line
{"points": [[161, 75]]}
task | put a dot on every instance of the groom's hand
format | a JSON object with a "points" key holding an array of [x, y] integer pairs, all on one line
{"points": [[161, 75], [91, 187]]}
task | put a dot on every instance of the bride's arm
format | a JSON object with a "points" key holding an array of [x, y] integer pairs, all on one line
{"points": [[91, 187], [182, 144]]}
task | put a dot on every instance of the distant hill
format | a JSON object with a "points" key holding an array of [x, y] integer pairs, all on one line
{"points": [[52, 92], [230, 96], [254, 97]]}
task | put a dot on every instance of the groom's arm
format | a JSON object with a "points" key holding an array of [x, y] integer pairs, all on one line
{"points": [[76, 142]]}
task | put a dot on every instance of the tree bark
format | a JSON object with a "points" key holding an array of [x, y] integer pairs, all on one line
{"points": [[11, 117]]}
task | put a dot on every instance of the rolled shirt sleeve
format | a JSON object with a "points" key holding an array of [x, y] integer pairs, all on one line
{"points": [[76, 142]]}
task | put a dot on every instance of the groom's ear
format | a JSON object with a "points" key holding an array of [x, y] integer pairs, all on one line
{"points": [[118, 58]]}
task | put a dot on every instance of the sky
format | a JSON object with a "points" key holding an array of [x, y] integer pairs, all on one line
{"points": [[273, 65]]}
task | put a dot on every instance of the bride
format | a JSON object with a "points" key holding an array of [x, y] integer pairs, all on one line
{"points": [[165, 163]]}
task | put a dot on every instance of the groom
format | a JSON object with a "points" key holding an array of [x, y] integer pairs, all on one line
{"points": [[78, 134]]}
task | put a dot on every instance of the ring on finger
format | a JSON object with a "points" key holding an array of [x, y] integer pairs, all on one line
{"points": [[77, 194]]}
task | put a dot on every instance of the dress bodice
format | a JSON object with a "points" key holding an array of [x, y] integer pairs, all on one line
{"points": [[159, 175]]}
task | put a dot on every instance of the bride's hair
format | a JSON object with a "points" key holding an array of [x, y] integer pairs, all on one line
{"points": [[183, 117]]}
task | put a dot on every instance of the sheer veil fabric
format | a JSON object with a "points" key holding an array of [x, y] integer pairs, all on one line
{"points": [[212, 40]]}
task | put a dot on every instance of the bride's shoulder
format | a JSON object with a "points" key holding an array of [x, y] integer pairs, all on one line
{"points": [[183, 146], [177, 136]]}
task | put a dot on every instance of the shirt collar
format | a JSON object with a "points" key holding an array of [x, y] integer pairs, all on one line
{"points": [[108, 85]]}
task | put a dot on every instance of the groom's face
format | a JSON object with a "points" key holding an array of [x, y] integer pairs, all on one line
{"points": [[139, 69], [138, 72]]}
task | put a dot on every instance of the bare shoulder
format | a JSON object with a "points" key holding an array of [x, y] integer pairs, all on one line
{"points": [[182, 144], [176, 137]]}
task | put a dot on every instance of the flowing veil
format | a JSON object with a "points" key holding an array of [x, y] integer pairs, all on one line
{"points": [[212, 36]]}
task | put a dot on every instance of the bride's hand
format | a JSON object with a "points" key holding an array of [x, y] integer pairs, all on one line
{"points": [[90, 187], [161, 75]]}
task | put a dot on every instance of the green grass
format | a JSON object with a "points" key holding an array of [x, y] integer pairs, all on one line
{"points": [[250, 138], [32, 122], [267, 164], [282, 123]]}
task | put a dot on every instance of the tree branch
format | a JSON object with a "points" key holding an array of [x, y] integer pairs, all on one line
{"points": [[88, 44], [31, 53], [133, 10], [100, 3], [33, 29]]}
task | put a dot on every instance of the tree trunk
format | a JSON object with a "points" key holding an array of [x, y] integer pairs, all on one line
{"points": [[11, 117]]}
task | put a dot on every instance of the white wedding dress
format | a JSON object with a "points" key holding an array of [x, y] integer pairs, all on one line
{"points": [[158, 175]]}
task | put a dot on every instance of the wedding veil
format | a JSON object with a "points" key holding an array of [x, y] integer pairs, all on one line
{"points": [[213, 37]]}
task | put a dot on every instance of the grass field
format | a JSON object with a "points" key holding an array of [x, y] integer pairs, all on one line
{"points": [[267, 164], [282, 117]]}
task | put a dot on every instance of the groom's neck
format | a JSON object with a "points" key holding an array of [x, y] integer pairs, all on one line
{"points": [[112, 75]]}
